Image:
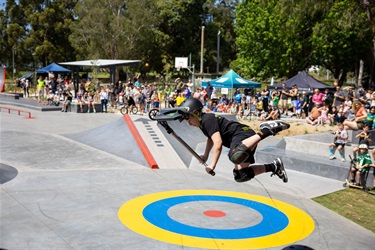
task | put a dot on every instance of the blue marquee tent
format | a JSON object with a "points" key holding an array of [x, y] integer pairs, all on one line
{"points": [[232, 81], [53, 67]]}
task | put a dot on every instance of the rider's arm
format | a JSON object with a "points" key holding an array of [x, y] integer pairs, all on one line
{"points": [[217, 144]]}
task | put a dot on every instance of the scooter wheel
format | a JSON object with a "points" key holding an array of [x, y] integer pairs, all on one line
{"points": [[153, 113]]}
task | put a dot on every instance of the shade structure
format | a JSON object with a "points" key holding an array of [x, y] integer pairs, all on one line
{"points": [[303, 81], [232, 81], [53, 67]]}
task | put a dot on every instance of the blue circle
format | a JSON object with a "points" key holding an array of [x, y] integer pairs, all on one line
{"points": [[157, 214]]}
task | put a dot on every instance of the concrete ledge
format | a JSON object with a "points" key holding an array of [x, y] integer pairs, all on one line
{"points": [[11, 95], [76, 108], [318, 165]]}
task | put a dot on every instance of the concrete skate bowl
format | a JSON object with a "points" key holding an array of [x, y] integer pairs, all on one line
{"points": [[191, 135], [7, 173], [114, 138]]}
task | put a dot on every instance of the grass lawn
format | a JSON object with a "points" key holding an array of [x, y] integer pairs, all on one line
{"points": [[354, 204]]}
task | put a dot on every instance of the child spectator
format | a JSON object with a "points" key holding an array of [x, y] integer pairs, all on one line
{"points": [[155, 101], [56, 99], [80, 100], [323, 118], [332, 115], [364, 138], [299, 107], [90, 102], [362, 165], [341, 135], [50, 97]]}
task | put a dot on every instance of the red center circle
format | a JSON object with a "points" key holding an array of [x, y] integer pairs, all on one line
{"points": [[214, 213]]}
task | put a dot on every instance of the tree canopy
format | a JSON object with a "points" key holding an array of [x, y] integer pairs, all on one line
{"points": [[258, 38]]}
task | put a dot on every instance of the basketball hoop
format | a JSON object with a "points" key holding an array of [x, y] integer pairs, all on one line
{"points": [[179, 68]]}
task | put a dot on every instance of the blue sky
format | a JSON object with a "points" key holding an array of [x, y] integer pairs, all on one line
{"points": [[2, 4]]}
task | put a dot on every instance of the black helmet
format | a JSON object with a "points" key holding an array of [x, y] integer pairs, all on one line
{"points": [[191, 105]]}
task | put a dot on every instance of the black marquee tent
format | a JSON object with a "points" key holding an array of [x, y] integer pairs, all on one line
{"points": [[304, 82]]}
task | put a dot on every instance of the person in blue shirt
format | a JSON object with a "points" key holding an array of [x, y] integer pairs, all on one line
{"points": [[370, 119]]}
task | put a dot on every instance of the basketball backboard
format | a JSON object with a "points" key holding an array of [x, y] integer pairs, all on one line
{"points": [[181, 62]]}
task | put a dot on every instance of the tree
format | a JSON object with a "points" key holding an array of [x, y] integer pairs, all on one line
{"points": [[341, 39]]}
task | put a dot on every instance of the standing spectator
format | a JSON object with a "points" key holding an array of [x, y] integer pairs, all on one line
{"points": [[26, 87], [265, 98], [339, 97], [305, 105], [187, 92], [317, 97], [275, 97], [323, 118], [40, 89], [209, 89], [284, 100], [327, 99], [104, 99], [294, 96], [299, 107], [53, 84]]}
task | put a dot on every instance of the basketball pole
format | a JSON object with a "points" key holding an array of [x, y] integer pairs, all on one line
{"points": [[202, 47]]}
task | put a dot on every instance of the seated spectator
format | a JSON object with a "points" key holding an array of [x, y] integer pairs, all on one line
{"points": [[358, 121], [224, 100], [80, 100], [67, 100], [274, 113], [341, 136], [314, 115], [364, 138], [90, 101], [362, 165], [370, 119], [50, 97], [332, 115], [342, 115], [56, 99]]}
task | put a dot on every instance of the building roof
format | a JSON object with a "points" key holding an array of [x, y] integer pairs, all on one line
{"points": [[101, 63]]}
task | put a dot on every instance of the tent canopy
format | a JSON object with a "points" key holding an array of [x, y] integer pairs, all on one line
{"points": [[304, 82], [232, 81], [53, 67]]}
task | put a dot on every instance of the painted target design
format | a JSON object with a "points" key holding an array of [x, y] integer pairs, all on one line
{"points": [[216, 219]]}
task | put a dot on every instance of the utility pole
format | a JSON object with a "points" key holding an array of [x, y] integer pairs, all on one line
{"points": [[202, 47], [14, 70], [218, 52]]}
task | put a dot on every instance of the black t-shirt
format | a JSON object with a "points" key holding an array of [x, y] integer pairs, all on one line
{"points": [[212, 123]]}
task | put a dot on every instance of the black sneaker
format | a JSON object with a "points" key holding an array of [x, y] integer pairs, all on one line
{"points": [[243, 175], [275, 126], [279, 170]]}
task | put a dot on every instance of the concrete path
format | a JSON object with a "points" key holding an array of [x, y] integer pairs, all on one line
{"points": [[68, 181]]}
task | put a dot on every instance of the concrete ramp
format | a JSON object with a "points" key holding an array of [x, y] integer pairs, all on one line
{"points": [[114, 138]]}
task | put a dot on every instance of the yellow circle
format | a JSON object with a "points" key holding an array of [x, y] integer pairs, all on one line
{"points": [[300, 224]]}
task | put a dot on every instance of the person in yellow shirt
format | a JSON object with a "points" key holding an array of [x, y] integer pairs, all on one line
{"points": [[40, 89], [179, 99]]}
